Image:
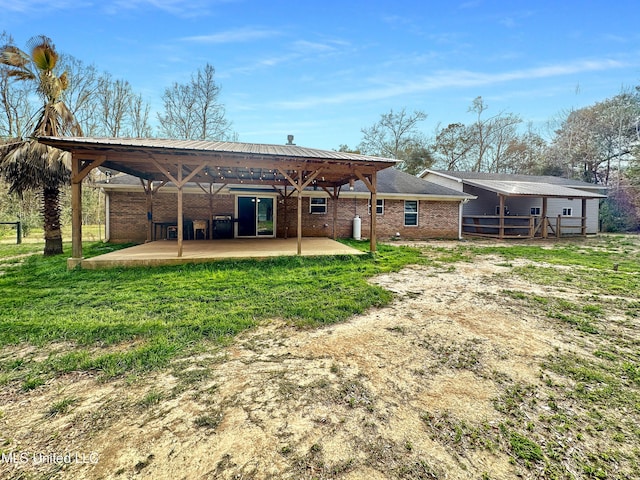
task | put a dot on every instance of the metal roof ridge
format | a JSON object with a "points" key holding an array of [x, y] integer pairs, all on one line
{"points": [[222, 146]]}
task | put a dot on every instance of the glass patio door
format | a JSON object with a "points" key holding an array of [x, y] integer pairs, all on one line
{"points": [[255, 217]]}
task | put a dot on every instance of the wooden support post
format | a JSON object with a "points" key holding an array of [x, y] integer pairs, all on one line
{"points": [[501, 218], [300, 218], [583, 224], [76, 214], [286, 210], [210, 196], [532, 226], [545, 233], [300, 184], [334, 197], [180, 217], [79, 170], [371, 185], [372, 223], [149, 196], [558, 226], [148, 193]]}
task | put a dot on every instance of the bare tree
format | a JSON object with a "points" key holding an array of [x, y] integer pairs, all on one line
{"points": [[192, 110], [81, 95], [140, 127], [114, 99], [525, 154], [490, 137], [490, 144], [596, 140], [17, 111], [104, 106], [451, 147], [396, 135]]}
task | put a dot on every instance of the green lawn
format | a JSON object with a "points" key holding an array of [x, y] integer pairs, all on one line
{"points": [[158, 313], [89, 232]]}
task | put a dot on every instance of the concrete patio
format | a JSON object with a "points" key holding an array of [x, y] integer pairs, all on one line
{"points": [[164, 252]]}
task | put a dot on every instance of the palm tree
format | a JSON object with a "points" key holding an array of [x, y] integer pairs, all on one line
{"points": [[27, 164]]}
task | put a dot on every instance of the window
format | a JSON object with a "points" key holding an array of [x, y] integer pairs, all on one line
{"points": [[410, 213], [379, 207], [506, 210], [567, 212], [535, 210], [318, 205]]}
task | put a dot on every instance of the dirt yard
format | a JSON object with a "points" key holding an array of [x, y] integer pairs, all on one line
{"points": [[357, 400]]}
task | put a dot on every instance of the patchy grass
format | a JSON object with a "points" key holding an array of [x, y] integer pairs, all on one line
{"points": [[208, 421], [62, 406], [578, 419], [158, 313], [581, 421]]}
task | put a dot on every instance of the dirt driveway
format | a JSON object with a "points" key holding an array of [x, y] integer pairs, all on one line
{"points": [[357, 400]]}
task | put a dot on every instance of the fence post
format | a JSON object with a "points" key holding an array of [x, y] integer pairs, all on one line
{"points": [[558, 223], [18, 232], [532, 226]]}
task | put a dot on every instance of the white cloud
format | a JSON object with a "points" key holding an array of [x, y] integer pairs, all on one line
{"points": [[239, 35], [31, 6], [451, 79], [181, 8], [306, 46]]}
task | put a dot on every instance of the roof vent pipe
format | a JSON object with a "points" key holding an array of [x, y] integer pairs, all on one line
{"points": [[290, 140]]}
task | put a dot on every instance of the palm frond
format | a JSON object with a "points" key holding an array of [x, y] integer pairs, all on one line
{"points": [[12, 56], [64, 81], [21, 74], [68, 121], [43, 53], [31, 165]]}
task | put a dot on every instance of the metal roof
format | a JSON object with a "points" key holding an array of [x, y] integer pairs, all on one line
{"points": [[173, 146], [220, 162], [512, 177], [531, 189]]}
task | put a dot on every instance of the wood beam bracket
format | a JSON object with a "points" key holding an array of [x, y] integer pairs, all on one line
{"points": [[367, 182], [298, 184], [85, 166]]}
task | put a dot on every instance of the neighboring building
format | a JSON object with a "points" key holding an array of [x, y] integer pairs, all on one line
{"points": [[407, 207], [523, 205]]}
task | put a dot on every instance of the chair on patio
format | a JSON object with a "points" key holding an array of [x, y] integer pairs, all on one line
{"points": [[200, 225]]}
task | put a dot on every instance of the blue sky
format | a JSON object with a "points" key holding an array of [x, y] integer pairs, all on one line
{"points": [[323, 70]]}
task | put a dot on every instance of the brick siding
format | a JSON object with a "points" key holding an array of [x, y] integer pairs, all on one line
{"points": [[436, 219]]}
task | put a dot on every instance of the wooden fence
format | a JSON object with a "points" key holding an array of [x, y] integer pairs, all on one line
{"points": [[517, 226], [18, 226]]}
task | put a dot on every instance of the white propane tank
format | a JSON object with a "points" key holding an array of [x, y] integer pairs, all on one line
{"points": [[357, 226]]}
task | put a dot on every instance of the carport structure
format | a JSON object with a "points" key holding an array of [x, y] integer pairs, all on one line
{"points": [[159, 161]]}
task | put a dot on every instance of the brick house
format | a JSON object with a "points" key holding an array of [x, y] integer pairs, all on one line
{"points": [[186, 189], [407, 207]]}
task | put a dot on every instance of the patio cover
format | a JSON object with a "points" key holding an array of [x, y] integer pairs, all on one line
{"points": [[531, 189], [204, 162]]}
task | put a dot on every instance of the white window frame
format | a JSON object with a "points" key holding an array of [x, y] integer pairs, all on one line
{"points": [[416, 213], [379, 206], [567, 212], [319, 207], [535, 211]]}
